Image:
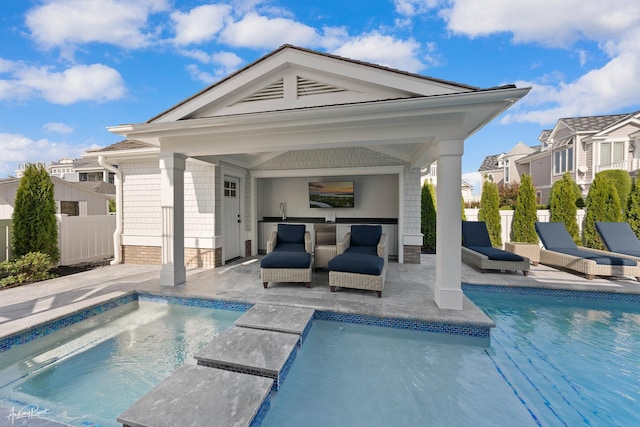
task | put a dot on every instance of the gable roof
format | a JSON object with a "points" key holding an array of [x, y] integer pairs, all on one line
{"points": [[591, 123], [489, 163]]}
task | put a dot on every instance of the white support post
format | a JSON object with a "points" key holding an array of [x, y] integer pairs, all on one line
{"points": [[448, 289], [172, 166]]}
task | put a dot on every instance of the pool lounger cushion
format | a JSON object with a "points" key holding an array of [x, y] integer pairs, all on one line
{"points": [[357, 263], [497, 254], [282, 259], [618, 237]]}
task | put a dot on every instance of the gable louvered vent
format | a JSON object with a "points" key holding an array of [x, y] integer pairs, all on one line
{"points": [[274, 91], [312, 87]]}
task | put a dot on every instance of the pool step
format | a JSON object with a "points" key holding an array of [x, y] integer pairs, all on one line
{"points": [[197, 395], [251, 351], [279, 318]]}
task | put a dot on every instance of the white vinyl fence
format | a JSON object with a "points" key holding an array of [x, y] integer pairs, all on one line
{"points": [[506, 218], [80, 238]]}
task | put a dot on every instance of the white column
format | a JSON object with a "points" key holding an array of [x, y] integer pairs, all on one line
{"points": [[448, 289], [172, 166]]}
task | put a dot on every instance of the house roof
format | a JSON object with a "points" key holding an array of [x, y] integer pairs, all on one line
{"points": [[489, 163], [127, 144], [100, 187], [520, 149], [591, 123]]}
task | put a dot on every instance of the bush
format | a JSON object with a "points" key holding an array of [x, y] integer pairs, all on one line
{"points": [[34, 215], [489, 212], [621, 180], [428, 217], [562, 204], [632, 213], [32, 267], [508, 194], [525, 215], [603, 204]]}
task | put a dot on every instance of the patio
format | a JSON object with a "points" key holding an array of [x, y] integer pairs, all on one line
{"points": [[408, 291]]}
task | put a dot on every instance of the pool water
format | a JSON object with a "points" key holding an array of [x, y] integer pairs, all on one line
{"points": [[89, 373], [571, 361]]}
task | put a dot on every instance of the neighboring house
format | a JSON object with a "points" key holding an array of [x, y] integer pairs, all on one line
{"points": [[503, 168], [198, 183], [431, 174], [583, 146], [73, 170], [72, 199]]}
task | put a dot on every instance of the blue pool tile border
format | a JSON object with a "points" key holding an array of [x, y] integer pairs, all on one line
{"points": [[410, 324], [558, 293], [63, 322], [196, 302], [262, 412]]}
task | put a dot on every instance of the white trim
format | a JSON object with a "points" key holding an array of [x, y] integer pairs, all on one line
{"points": [[368, 170], [412, 240]]}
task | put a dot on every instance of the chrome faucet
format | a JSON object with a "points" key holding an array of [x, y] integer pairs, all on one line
{"points": [[282, 211]]}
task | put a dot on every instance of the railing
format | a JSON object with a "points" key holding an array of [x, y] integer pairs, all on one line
{"points": [[80, 238], [627, 165], [506, 218]]}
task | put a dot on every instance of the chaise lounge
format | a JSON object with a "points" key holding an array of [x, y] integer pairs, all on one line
{"points": [[618, 237], [478, 252], [561, 251], [361, 260], [288, 257]]}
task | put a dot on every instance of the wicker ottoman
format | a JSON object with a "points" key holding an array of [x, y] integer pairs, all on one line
{"points": [[322, 255], [357, 271], [286, 267]]}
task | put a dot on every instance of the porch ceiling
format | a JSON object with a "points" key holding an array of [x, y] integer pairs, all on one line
{"points": [[403, 128]]}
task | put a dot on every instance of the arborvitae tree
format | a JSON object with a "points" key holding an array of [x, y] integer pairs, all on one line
{"points": [[603, 204], [632, 213], [462, 214], [562, 204], [526, 213], [428, 217], [34, 215], [621, 180], [490, 212]]}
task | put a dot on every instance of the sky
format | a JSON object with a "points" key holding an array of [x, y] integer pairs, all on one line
{"points": [[71, 68]]}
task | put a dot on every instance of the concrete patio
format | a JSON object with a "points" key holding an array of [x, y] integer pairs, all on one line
{"points": [[408, 291]]}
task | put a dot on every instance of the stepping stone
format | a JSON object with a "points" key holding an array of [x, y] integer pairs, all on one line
{"points": [[251, 351], [196, 395], [279, 318]]}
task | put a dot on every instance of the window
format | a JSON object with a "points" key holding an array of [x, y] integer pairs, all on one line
{"points": [[563, 161], [506, 170], [70, 208], [611, 152], [230, 189]]}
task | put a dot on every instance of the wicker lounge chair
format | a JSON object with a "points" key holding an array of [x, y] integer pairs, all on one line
{"points": [[288, 256], [618, 237], [361, 260], [478, 252], [561, 251]]}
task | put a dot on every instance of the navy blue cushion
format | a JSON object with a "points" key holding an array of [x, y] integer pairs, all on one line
{"points": [[366, 250], [619, 237], [365, 235], [554, 236], [357, 263], [475, 234], [289, 247], [286, 260], [291, 233], [497, 254], [599, 259]]}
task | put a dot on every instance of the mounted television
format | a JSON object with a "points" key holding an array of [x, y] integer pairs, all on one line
{"points": [[331, 194]]}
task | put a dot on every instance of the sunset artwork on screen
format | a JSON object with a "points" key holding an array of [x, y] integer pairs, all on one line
{"points": [[337, 194]]}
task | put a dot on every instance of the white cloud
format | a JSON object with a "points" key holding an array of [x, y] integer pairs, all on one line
{"points": [[61, 128], [200, 24], [475, 180], [95, 82], [70, 22], [413, 7], [384, 50], [225, 63], [260, 32], [17, 148]]}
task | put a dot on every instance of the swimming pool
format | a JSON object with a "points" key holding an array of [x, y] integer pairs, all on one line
{"points": [[552, 360], [88, 373]]}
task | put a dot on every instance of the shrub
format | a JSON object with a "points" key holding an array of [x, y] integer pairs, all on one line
{"points": [[562, 204], [621, 181], [525, 215], [462, 214], [34, 215], [508, 194], [603, 204], [490, 213], [632, 213], [428, 217], [32, 267]]}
